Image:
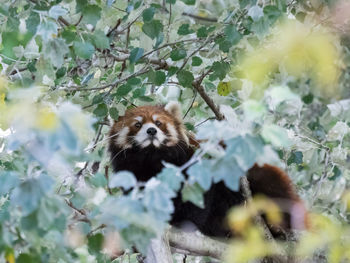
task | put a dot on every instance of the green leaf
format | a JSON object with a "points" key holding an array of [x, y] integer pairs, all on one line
{"points": [[69, 34], [124, 179], [272, 13], [336, 173], [57, 11], [135, 54], [29, 193], [100, 40], [172, 70], [55, 50], [32, 22], [261, 26], [101, 110], [95, 243], [184, 29], [232, 34], [220, 70], [189, 2], [11, 40], [255, 12], [134, 81], [185, 78], [83, 49], [113, 112], [196, 61], [47, 29], [152, 28], [275, 135], [245, 150], [224, 44], [61, 72], [244, 3], [178, 54], [308, 98], [200, 173], [172, 177], [145, 98], [295, 157], [148, 14], [158, 199], [91, 14], [202, 32], [156, 77], [98, 180], [194, 194], [123, 90], [8, 180], [24, 258], [300, 16]]}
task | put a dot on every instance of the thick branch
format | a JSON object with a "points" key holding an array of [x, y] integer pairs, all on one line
{"points": [[197, 85], [159, 251], [196, 244]]}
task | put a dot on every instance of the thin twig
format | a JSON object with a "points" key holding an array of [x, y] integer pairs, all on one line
{"points": [[63, 21], [207, 19], [114, 28], [191, 105], [170, 44], [194, 52]]}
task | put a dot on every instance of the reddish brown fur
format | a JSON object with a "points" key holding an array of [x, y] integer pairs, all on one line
{"points": [[147, 113], [147, 163]]}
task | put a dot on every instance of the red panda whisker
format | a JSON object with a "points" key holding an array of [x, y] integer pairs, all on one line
{"points": [[117, 154], [103, 140]]}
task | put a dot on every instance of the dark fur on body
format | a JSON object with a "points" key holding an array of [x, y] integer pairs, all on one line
{"points": [[267, 180], [145, 163]]}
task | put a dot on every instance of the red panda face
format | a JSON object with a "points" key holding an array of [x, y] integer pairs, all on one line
{"points": [[149, 126]]}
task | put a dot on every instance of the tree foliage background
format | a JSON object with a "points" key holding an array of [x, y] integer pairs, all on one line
{"points": [[270, 78]]}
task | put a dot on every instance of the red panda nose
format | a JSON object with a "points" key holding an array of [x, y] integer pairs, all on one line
{"points": [[151, 131]]}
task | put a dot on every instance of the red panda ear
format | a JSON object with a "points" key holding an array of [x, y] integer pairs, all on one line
{"points": [[173, 107]]}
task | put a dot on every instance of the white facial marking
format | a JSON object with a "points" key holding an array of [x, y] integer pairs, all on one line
{"points": [[173, 136], [143, 138], [138, 118], [155, 117], [121, 139]]}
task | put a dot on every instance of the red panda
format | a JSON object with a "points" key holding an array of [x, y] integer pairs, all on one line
{"points": [[146, 136]]}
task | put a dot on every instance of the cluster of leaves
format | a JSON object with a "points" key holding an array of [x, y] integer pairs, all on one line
{"points": [[68, 65]]}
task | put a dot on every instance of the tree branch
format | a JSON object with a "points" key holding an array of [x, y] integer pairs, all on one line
{"points": [[207, 19], [197, 84], [159, 250], [196, 244]]}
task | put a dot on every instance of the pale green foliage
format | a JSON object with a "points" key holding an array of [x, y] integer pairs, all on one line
{"points": [[68, 65]]}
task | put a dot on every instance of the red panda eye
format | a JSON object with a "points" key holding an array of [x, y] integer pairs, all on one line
{"points": [[138, 124], [158, 123]]}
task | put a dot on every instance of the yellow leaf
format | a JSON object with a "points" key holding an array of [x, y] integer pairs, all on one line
{"points": [[224, 88], [10, 256], [46, 119], [239, 219], [346, 200], [3, 84], [2, 100]]}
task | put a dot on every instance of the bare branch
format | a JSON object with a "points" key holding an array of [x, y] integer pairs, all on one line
{"points": [[207, 19], [159, 251], [196, 244]]}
